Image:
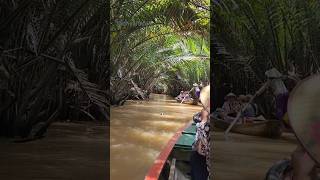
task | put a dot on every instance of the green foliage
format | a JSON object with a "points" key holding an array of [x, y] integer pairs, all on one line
{"points": [[252, 36], [149, 38], [54, 60]]}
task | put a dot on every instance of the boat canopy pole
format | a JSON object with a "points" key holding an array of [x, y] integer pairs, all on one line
{"points": [[261, 90]]}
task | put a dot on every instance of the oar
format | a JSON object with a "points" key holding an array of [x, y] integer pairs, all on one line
{"points": [[182, 99], [185, 96], [239, 113]]}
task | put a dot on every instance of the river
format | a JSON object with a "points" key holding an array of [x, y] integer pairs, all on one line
{"points": [[139, 131], [243, 157], [74, 150]]}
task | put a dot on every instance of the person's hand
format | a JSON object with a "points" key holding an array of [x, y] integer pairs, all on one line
{"points": [[302, 164]]}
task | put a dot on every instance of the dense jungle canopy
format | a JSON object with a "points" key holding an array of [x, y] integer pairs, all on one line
{"points": [[158, 46], [250, 36], [55, 62]]}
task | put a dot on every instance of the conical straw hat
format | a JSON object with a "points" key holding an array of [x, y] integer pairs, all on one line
{"points": [[205, 96], [273, 73], [229, 95], [304, 115]]}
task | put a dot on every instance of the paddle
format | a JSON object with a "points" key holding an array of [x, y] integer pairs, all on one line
{"points": [[240, 112], [185, 96]]}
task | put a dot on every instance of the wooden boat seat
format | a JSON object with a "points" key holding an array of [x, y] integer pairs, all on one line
{"points": [[185, 141], [191, 129]]}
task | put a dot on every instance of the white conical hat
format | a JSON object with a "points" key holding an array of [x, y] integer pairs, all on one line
{"points": [[230, 95], [205, 96], [304, 114], [273, 73]]}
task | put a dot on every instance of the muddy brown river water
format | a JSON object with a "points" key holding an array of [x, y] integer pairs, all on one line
{"points": [[70, 151], [139, 131], [245, 157]]}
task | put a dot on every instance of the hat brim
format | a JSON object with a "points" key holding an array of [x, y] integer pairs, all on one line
{"points": [[205, 96], [304, 115]]}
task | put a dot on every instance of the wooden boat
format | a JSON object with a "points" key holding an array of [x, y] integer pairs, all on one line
{"points": [[265, 128], [173, 162], [188, 101]]}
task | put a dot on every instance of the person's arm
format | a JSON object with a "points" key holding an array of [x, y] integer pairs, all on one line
{"points": [[225, 107], [204, 115], [263, 88], [302, 164]]}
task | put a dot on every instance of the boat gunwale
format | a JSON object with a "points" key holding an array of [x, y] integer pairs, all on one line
{"points": [[263, 122], [156, 169], [259, 127]]}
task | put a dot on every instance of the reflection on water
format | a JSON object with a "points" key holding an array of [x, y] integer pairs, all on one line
{"points": [[140, 129]]}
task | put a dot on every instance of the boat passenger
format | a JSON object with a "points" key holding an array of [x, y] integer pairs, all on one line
{"points": [[197, 89], [200, 159], [251, 109], [279, 90], [231, 106], [195, 92], [302, 166], [180, 96]]}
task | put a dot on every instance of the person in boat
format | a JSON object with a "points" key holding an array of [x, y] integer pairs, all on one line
{"points": [[230, 108], [304, 168], [301, 166], [279, 90], [251, 109], [196, 90], [200, 159], [180, 96]]}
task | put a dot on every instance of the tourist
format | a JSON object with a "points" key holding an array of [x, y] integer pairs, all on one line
{"points": [[196, 89], [231, 106], [251, 109], [301, 166], [180, 96], [200, 161]]}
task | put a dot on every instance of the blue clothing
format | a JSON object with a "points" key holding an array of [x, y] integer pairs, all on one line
{"points": [[198, 167]]}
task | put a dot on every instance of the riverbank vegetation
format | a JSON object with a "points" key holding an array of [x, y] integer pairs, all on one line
{"points": [[55, 65], [251, 36], [154, 46]]}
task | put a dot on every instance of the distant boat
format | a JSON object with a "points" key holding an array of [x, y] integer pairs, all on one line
{"points": [[173, 163], [189, 101], [265, 128]]}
